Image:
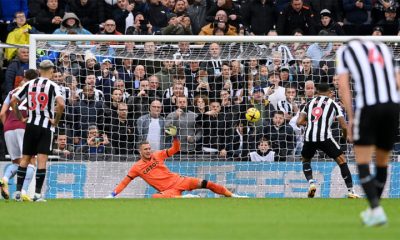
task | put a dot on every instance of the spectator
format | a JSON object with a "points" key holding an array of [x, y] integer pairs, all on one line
{"points": [[123, 132], [140, 102], [110, 29], [165, 74], [334, 6], [67, 64], [220, 22], [154, 87], [308, 93], [157, 14], [275, 92], [201, 85], [264, 153], [49, 18], [141, 26], [328, 24], [259, 16], [177, 79], [8, 8], [61, 146], [281, 136], [185, 121], [123, 14], [71, 25], [89, 67], [296, 16], [317, 51], [35, 6], [95, 142], [379, 9], [307, 73], [16, 68], [191, 72], [289, 106], [197, 13], [90, 13], [213, 66], [119, 84], [125, 73], [105, 82], [19, 34], [91, 82], [390, 22], [151, 126], [231, 10], [200, 104], [356, 14], [285, 75], [177, 25], [377, 31]]}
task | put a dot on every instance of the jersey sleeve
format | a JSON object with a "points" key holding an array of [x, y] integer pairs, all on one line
{"points": [[132, 174], [57, 91], [341, 66], [22, 92], [339, 110]]}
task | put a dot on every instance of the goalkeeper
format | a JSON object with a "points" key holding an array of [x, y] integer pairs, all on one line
{"points": [[152, 169]]}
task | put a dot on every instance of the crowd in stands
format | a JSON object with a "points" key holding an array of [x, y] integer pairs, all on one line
{"points": [[119, 96]]}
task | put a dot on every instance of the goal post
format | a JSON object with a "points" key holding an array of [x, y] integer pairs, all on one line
{"points": [[215, 146]]}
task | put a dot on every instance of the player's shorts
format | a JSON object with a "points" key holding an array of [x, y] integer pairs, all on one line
{"points": [[37, 140], [184, 184], [14, 140], [330, 147], [377, 125]]}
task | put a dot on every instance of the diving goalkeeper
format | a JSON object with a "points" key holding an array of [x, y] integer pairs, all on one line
{"points": [[152, 169]]}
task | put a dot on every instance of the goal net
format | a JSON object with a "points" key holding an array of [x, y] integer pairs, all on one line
{"points": [[121, 90]]}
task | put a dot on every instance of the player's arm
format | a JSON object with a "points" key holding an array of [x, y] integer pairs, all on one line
{"points": [[59, 110], [121, 186], [14, 105], [398, 78], [343, 126], [176, 144], [345, 94], [301, 120], [4, 108]]}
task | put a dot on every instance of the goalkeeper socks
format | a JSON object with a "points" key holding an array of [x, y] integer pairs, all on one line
{"points": [[380, 180], [21, 173], [221, 190], [368, 184], [10, 172], [346, 175], [40, 175], [28, 178], [307, 171]]}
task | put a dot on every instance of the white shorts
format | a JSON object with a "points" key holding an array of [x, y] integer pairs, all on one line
{"points": [[14, 140]]}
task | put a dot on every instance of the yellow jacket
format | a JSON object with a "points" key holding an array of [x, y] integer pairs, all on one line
{"points": [[19, 35], [208, 30]]}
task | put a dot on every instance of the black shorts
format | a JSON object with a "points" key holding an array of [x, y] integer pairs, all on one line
{"points": [[330, 147], [37, 140], [377, 125]]}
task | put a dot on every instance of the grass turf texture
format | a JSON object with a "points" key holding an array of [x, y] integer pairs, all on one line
{"points": [[193, 219]]}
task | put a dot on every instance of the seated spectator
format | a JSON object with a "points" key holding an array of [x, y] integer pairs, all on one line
{"points": [[165, 74], [377, 31], [356, 14], [19, 32], [180, 8], [177, 79], [15, 70], [390, 22], [125, 73], [221, 22], [141, 26], [214, 64], [177, 25], [274, 92], [151, 126], [281, 136], [317, 51], [154, 87], [61, 146], [201, 85], [110, 29], [71, 25], [157, 14], [49, 18], [197, 13], [67, 64], [200, 104], [289, 106], [89, 67], [123, 14], [328, 24], [123, 132], [91, 82], [231, 10], [95, 142], [105, 82], [264, 153], [379, 9], [110, 110], [90, 13]]}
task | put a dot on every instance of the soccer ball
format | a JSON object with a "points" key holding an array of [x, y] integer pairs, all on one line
{"points": [[253, 115]]}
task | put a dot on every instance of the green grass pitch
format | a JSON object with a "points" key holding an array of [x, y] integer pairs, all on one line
{"points": [[223, 218]]}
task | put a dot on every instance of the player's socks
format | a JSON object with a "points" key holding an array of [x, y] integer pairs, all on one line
{"points": [[21, 173], [307, 170], [28, 178], [346, 175], [380, 180], [40, 175], [368, 184], [11, 170], [218, 189]]}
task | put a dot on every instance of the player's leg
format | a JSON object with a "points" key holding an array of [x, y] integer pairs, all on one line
{"points": [[170, 193], [307, 154], [382, 160], [28, 179], [218, 189]]}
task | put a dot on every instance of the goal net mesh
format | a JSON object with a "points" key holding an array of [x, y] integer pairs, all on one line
{"points": [[121, 93]]}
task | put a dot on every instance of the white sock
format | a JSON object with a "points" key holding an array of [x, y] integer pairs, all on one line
{"points": [[311, 181], [10, 172], [29, 176]]}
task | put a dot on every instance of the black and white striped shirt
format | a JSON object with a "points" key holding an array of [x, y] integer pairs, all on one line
{"points": [[371, 66], [320, 113], [41, 94], [285, 106]]}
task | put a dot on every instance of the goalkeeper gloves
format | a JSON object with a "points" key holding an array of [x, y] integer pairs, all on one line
{"points": [[171, 131]]}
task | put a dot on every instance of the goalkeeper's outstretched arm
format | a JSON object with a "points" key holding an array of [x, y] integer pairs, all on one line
{"points": [[121, 186], [176, 146]]}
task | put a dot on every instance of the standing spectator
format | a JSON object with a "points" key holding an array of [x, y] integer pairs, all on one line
{"points": [[275, 92], [141, 26], [307, 73], [48, 19], [295, 16], [61, 146], [390, 22], [122, 133], [151, 126], [90, 12], [157, 14], [356, 14], [15, 71], [67, 64], [154, 87], [166, 73], [185, 121], [213, 66], [105, 82], [19, 34], [379, 8], [123, 13], [281, 136], [8, 9], [258, 16], [220, 22], [197, 13], [140, 102], [317, 51], [178, 26], [232, 11], [71, 25]]}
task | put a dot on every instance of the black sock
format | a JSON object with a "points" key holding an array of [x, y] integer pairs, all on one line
{"points": [[40, 175], [21, 173], [307, 170], [344, 170], [368, 184], [380, 180]]}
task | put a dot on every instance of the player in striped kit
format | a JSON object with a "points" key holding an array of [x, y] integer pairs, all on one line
{"points": [[42, 95], [318, 115]]}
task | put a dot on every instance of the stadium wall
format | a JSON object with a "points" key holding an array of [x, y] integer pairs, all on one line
{"points": [[273, 180]]}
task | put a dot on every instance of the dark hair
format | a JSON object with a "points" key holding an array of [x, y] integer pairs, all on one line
{"points": [[143, 143], [279, 112], [31, 74], [323, 87]]}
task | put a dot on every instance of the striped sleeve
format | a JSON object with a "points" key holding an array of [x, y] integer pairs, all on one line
{"points": [[338, 109], [22, 92], [341, 67]]}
